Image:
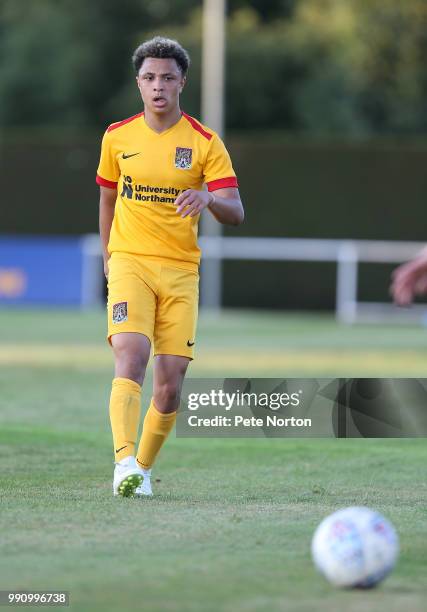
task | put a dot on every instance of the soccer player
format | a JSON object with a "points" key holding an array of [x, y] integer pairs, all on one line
{"points": [[151, 174], [410, 279]]}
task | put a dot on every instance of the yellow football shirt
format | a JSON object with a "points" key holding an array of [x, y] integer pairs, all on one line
{"points": [[150, 170]]}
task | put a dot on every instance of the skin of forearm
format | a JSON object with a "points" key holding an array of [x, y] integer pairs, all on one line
{"points": [[106, 214], [227, 210], [421, 260]]}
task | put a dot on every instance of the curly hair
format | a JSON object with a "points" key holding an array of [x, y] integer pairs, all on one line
{"points": [[160, 47]]}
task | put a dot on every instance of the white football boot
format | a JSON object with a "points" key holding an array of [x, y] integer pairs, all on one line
{"points": [[127, 477], [144, 489]]}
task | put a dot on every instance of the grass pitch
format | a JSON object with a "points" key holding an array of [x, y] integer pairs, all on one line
{"points": [[231, 523]]}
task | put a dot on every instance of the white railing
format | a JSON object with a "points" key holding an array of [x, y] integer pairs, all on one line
{"points": [[346, 253]]}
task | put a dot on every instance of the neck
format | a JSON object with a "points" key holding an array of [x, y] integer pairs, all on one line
{"points": [[160, 123]]}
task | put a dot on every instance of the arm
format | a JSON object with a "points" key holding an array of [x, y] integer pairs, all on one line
{"points": [[224, 204], [410, 279], [107, 201]]}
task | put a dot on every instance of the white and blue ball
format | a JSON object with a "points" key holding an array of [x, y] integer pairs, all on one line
{"points": [[355, 547]]}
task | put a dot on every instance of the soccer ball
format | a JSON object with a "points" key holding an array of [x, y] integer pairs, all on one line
{"points": [[355, 547]]}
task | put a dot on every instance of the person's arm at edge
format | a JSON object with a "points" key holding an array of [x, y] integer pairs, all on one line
{"points": [[107, 201], [410, 279]]}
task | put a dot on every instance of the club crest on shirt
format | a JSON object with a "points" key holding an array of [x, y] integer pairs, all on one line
{"points": [[183, 158], [120, 312]]}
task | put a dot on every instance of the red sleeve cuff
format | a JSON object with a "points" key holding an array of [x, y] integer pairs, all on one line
{"points": [[105, 183], [230, 181]]}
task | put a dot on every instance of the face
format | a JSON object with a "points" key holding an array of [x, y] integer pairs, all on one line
{"points": [[160, 82]]}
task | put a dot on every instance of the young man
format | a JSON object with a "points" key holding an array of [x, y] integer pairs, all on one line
{"points": [[410, 279], [151, 173]]}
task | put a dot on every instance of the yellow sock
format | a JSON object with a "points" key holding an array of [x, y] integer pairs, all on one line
{"points": [[125, 408], [157, 427]]}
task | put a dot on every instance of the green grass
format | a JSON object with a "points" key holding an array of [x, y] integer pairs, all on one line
{"points": [[230, 526]]}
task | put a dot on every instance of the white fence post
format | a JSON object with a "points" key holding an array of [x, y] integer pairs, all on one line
{"points": [[346, 293]]}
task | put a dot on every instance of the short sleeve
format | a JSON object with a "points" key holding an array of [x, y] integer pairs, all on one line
{"points": [[218, 171], [108, 172]]}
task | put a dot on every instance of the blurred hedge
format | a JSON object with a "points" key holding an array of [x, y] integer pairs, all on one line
{"points": [[291, 189]]}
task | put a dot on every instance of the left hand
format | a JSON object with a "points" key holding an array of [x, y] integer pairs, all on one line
{"points": [[191, 202]]}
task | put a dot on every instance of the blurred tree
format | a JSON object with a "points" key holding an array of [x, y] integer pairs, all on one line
{"points": [[316, 66], [365, 65], [267, 10], [394, 34], [61, 60]]}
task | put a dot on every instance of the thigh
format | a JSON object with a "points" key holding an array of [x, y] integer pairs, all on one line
{"points": [[176, 316], [131, 355], [131, 297]]}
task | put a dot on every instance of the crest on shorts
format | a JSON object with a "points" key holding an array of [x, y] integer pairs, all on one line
{"points": [[120, 312], [183, 158]]}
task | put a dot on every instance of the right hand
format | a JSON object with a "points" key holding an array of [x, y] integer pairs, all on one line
{"points": [[106, 268]]}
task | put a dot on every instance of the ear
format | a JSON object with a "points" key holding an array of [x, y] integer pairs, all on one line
{"points": [[183, 82]]}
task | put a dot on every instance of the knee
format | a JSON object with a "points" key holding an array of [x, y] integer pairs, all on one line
{"points": [[167, 396], [133, 365], [130, 364]]}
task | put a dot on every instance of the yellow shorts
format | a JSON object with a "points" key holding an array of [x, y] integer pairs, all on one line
{"points": [[153, 298]]}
